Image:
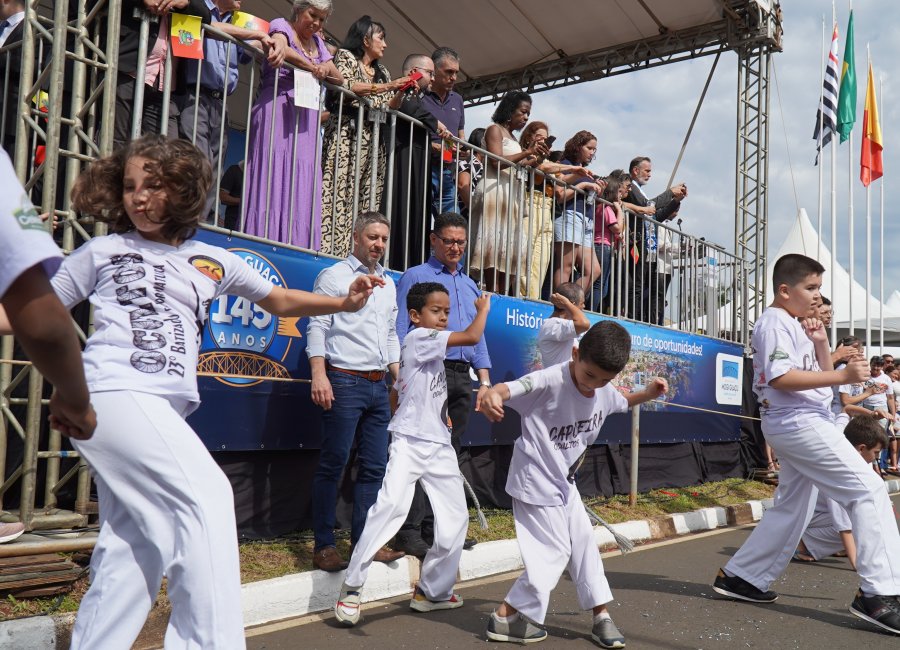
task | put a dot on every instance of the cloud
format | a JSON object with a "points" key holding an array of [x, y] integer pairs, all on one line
{"points": [[648, 113]]}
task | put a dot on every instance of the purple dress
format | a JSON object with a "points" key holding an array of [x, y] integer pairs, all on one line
{"points": [[296, 222]]}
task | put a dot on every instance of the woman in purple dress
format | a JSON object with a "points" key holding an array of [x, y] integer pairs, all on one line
{"points": [[283, 179]]}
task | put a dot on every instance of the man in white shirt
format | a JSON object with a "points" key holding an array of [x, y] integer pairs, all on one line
{"points": [[349, 355]]}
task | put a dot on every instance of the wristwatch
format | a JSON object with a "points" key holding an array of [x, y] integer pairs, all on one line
{"points": [[486, 383]]}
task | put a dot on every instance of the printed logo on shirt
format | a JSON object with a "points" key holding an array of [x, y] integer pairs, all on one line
{"points": [[209, 267], [27, 216], [246, 339], [433, 334], [729, 369], [527, 384], [568, 436], [779, 355]]}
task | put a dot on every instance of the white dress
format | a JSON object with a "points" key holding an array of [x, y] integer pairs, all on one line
{"points": [[498, 213]]}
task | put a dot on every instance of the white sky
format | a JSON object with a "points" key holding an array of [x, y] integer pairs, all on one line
{"points": [[648, 113]]}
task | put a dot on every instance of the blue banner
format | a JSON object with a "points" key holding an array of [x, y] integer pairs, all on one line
{"points": [[267, 411]]}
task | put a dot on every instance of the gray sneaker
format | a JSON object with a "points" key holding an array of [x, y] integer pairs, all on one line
{"points": [[607, 634], [521, 630]]}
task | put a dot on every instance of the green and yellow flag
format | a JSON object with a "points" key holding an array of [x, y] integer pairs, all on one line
{"points": [[846, 113]]}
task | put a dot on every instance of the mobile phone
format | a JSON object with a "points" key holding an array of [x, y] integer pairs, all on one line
{"points": [[549, 141], [412, 84]]}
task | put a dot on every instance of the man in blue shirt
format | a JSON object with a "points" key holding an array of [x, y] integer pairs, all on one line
{"points": [[447, 106], [448, 242], [202, 110]]}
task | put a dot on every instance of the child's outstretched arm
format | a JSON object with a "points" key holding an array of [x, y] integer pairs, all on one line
{"points": [[294, 302], [491, 405], [31, 310], [582, 324], [472, 334], [657, 387]]}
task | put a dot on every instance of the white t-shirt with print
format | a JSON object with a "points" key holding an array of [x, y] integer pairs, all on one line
{"points": [[422, 387], [556, 339], [24, 238], [150, 302], [779, 345], [879, 400], [558, 426], [853, 390]]}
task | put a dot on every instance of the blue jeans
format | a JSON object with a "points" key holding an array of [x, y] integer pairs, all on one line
{"points": [[443, 187], [601, 284], [360, 407]]}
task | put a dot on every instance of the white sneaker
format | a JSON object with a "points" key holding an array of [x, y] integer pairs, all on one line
{"points": [[8, 532], [346, 609]]}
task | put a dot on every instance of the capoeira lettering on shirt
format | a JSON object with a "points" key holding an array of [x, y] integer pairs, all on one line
{"points": [[567, 435], [146, 319]]}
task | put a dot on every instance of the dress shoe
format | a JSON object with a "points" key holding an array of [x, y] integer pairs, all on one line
{"points": [[411, 545], [384, 554], [328, 559]]}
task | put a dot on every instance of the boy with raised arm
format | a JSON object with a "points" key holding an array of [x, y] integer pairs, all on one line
{"points": [[562, 409], [560, 331], [420, 451], [792, 378]]}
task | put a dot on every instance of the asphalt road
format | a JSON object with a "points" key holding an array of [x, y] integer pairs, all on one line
{"points": [[663, 600]]}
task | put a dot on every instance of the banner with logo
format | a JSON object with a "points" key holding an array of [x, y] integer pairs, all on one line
{"points": [[252, 401]]}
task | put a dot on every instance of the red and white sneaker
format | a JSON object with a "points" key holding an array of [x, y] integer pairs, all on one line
{"points": [[10, 531], [421, 603], [346, 609]]}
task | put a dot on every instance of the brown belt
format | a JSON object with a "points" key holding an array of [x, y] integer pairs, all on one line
{"points": [[370, 375]]}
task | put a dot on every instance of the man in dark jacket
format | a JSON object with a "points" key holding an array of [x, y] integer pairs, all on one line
{"points": [[12, 26], [646, 299], [409, 209], [158, 12]]}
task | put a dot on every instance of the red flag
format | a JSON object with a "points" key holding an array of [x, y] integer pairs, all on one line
{"points": [[871, 167], [635, 254]]}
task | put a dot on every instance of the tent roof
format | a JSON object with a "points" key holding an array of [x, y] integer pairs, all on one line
{"points": [[548, 45], [803, 239]]}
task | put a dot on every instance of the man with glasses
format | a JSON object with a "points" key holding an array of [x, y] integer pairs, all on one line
{"points": [[447, 106], [410, 205], [448, 243]]}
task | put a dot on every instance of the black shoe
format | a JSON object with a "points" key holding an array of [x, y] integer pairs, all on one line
{"points": [[411, 545], [883, 611], [738, 588], [469, 543]]}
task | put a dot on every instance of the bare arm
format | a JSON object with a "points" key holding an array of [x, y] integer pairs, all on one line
{"points": [[472, 334], [849, 546], [657, 386], [294, 302], [582, 324], [43, 326]]}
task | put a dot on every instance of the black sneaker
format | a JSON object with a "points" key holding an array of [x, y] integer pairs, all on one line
{"points": [[411, 544], [738, 588], [883, 611]]}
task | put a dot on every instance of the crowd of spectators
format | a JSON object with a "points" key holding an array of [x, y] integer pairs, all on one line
{"points": [[540, 217]]}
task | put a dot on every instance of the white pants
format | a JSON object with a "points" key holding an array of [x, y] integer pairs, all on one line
{"points": [[814, 459], [435, 465], [165, 509], [552, 539], [823, 541]]}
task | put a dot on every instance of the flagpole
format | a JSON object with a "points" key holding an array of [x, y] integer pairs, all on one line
{"points": [[881, 238], [821, 119], [850, 201], [834, 145], [869, 291]]}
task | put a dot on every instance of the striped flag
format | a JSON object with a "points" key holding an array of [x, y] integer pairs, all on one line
{"points": [[827, 113], [846, 112], [870, 163]]}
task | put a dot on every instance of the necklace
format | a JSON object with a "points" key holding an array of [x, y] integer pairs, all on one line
{"points": [[311, 52]]}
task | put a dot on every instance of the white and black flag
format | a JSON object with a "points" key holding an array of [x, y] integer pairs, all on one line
{"points": [[826, 117]]}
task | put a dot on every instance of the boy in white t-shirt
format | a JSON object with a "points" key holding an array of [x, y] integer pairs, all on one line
{"points": [[792, 379], [882, 402], [420, 451], [560, 331], [830, 530], [562, 409]]}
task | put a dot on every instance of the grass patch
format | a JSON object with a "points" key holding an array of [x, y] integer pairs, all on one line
{"points": [[265, 559]]}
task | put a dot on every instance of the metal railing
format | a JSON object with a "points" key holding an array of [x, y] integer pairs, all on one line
{"points": [[530, 228]]}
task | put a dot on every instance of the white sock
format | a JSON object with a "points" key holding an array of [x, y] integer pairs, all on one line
{"points": [[506, 619], [599, 617]]}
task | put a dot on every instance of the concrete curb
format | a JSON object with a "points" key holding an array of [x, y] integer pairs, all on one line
{"points": [[314, 591]]}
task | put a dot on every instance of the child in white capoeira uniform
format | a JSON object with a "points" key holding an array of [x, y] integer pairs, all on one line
{"points": [[830, 531], [560, 331], [562, 410], [792, 379], [165, 506], [420, 451]]}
